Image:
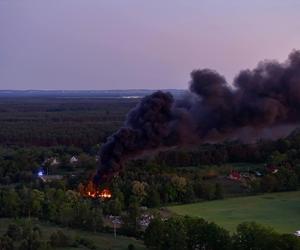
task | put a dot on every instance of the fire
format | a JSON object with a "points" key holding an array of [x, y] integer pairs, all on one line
{"points": [[90, 190]]}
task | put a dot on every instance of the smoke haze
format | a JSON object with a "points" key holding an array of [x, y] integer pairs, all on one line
{"points": [[263, 102]]}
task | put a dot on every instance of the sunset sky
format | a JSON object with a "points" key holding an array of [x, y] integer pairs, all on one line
{"points": [[129, 44]]}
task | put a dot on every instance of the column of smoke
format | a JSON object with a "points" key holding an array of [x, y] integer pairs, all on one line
{"points": [[263, 101]]}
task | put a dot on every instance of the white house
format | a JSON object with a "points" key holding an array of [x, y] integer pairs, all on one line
{"points": [[53, 161], [73, 160], [297, 233]]}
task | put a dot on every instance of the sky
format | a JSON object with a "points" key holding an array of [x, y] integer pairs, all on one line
{"points": [[138, 44]]}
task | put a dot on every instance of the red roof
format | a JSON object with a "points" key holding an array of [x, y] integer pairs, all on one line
{"points": [[235, 175]]}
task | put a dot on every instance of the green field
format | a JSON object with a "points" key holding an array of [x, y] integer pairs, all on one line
{"points": [[103, 241], [278, 210]]}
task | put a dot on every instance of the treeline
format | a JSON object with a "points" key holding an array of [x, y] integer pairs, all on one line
{"points": [[185, 233], [80, 122], [56, 205], [68, 208], [25, 234], [150, 183], [154, 186], [286, 149], [21, 164]]}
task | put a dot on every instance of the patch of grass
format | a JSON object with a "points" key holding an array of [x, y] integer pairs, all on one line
{"points": [[103, 241], [278, 210]]}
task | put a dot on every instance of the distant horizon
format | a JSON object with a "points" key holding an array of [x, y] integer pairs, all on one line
{"points": [[70, 90]]}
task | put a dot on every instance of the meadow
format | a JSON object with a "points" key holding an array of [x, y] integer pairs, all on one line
{"points": [[278, 210]]}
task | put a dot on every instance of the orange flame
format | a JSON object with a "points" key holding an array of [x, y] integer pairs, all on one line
{"points": [[90, 190]]}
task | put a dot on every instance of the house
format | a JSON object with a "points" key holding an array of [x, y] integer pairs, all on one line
{"points": [[272, 169], [234, 175], [52, 161], [73, 160], [297, 233]]}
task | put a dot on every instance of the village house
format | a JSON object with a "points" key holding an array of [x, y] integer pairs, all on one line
{"points": [[52, 161], [73, 160], [272, 169], [235, 175], [297, 233]]}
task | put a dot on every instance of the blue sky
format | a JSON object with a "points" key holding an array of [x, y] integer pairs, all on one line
{"points": [[126, 44]]}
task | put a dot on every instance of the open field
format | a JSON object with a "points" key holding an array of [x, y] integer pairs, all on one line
{"points": [[278, 210], [103, 241]]}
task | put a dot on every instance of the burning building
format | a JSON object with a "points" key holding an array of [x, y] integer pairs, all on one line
{"points": [[93, 191]]}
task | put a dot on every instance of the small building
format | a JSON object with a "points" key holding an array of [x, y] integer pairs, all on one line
{"points": [[272, 169], [235, 175], [74, 160], [297, 233], [52, 161]]}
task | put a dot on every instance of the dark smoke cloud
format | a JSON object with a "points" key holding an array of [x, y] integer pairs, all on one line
{"points": [[262, 101]]}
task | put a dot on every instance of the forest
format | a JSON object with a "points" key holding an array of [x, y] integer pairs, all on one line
{"points": [[42, 135]]}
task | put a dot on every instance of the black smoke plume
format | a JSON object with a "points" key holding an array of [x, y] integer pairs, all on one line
{"points": [[265, 100]]}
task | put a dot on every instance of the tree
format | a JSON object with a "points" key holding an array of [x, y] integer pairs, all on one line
{"points": [[154, 234], [138, 189], [37, 198], [14, 232], [287, 178], [179, 183], [10, 203], [95, 219], [6, 243], [204, 235], [269, 183], [131, 220], [31, 237], [131, 247], [66, 214], [153, 198], [59, 239], [219, 192], [252, 236], [169, 234], [277, 158], [115, 207], [174, 237], [208, 191], [288, 242]]}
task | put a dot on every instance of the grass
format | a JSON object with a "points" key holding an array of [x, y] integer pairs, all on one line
{"points": [[278, 210], [103, 241]]}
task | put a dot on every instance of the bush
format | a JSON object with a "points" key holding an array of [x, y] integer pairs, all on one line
{"points": [[14, 232], [6, 243], [87, 243], [59, 239], [131, 247]]}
